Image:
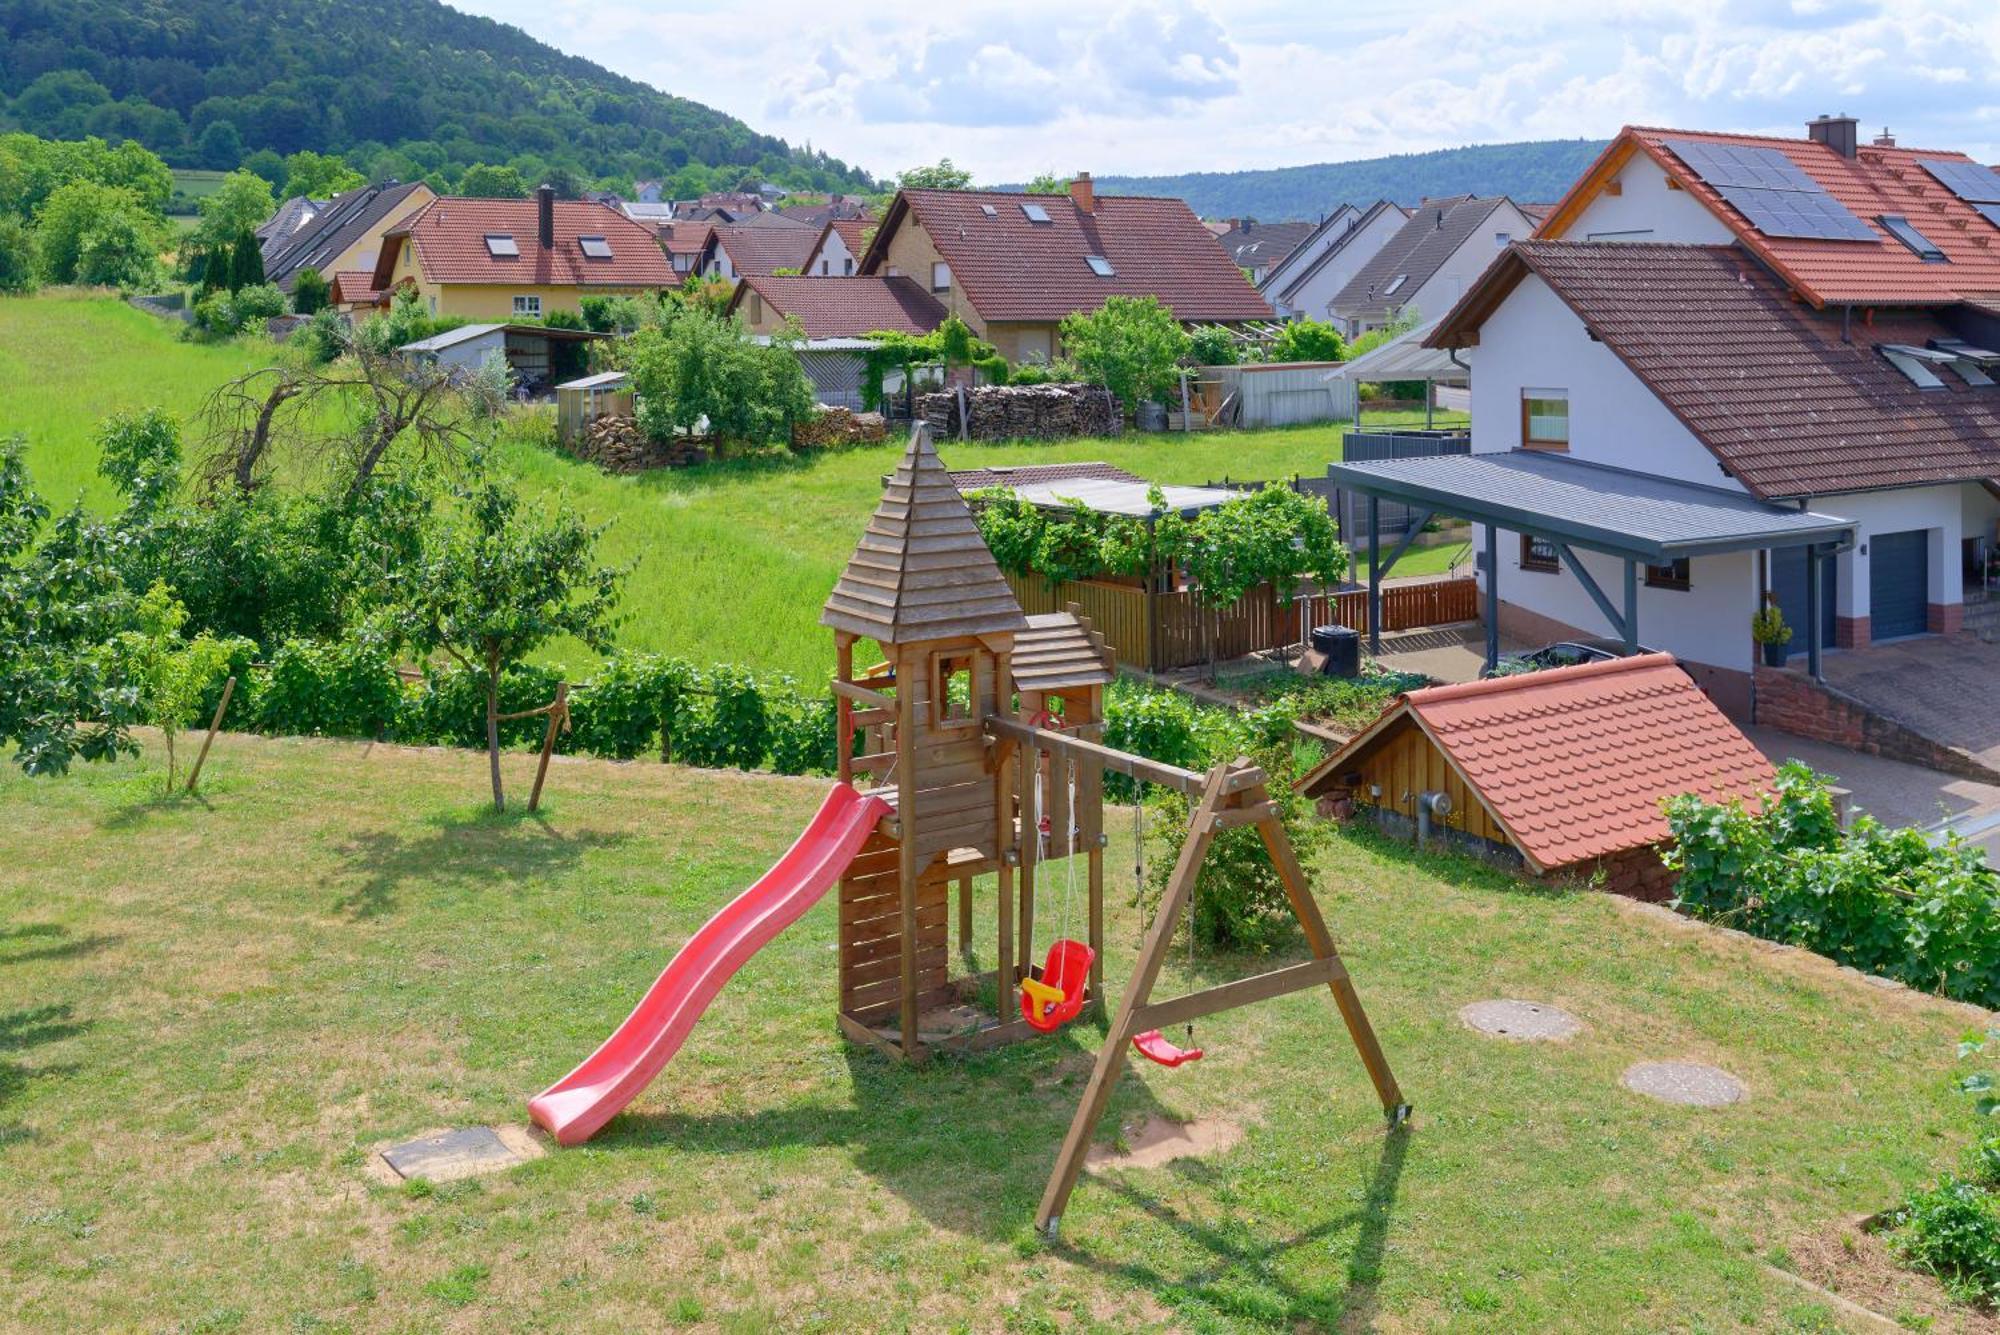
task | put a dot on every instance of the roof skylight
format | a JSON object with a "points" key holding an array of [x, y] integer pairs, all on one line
{"points": [[1035, 213], [501, 245], [1906, 232], [595, 247], [1395, 283], [989, 210], [1100, 266]]}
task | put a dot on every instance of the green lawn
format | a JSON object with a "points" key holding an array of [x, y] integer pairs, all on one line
{"points": [[735, 558], [211, 1014]]}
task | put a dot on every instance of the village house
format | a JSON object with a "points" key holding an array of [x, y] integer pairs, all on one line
{"points": [[345, 234], [837, 253], [519, 259], [1305, 282], [771, 243], [1257, 247], [1419, 273], [683, 241], [1013, 265], [1733, 367]]}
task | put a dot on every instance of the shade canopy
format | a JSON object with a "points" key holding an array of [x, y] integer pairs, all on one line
{"points": [[1403, 357]]}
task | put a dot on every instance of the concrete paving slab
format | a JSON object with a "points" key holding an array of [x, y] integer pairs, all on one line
{"points": [[1688, 1083], [1896, 793]]}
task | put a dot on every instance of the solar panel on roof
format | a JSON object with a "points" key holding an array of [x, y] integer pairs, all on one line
{"points": [[1970, 181], [1773, 193]]}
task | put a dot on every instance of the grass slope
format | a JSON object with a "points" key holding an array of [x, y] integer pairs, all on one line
{"points": [[735, 559], [216, 1011]]}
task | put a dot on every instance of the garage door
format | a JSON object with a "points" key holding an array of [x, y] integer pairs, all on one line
{"points": [[1788, 583], [1898, 587]]}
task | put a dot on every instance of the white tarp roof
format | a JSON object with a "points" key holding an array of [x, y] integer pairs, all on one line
{"points": [[1109, 496], [1403, 357]]}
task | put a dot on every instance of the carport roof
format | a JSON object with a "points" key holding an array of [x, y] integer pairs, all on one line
{"points": [[1612, 510]]}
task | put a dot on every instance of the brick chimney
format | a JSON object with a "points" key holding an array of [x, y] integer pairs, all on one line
{"points": [[545, 216], [1084, 193], [1885, 139], [1840, 133]]}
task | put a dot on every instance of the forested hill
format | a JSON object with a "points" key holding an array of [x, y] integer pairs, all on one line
{"points": [[1534, 172], [207, 83]]}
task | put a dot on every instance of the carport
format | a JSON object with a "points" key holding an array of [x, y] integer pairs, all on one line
{"points": [[1638, 518]]}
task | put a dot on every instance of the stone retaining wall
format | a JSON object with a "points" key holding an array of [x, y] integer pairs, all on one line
{"points": [[1793, 702]]}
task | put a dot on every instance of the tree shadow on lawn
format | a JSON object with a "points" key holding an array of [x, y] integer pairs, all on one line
{"points": [[31, 1027], [486, 848], [60, 945]]}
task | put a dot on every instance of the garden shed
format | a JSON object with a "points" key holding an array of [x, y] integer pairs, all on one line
{"points": [[1562, 771], [537, 354], [581, 402]]}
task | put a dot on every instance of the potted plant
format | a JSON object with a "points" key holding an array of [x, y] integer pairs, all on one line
{"points": [[1768, 628]]}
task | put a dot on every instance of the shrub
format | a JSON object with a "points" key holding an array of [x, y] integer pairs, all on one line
{"points": [[1212, 345], [1130, 345], [727, 726], [624, 710], [17, 256], [1307, 341], [701, 366], [342, 688], [803, 729], [449, 708], [259, 301], [309, 292], [1951, 1230]]}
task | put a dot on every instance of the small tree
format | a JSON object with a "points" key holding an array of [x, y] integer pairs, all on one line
{"points": [[700, 368], [944, 174], [246, 262], [319, 175], [171, 673], [238, 205], [1130, 345], [1048, 183], [1308, 341], [482, 181], [492, 582], [309, 292]]}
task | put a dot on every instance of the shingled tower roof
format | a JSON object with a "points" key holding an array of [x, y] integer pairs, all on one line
{"points": [[922, 571]]}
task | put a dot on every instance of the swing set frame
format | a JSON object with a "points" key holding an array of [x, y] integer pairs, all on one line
{"points": [[1234, 793]]}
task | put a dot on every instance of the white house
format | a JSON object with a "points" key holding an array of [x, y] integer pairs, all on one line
{"points": [[838, 250], [1422, 270], [1767, 329], [1306, 281]]}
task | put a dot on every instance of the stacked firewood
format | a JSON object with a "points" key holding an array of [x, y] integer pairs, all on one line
{"points": [[838, 426], [617, 445], [1017, 412]]}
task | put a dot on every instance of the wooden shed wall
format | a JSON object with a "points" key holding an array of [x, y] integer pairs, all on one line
{"points": [[1407, 761]]}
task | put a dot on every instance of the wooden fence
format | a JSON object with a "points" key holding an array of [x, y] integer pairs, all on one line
{"points": [[1162, 632]]}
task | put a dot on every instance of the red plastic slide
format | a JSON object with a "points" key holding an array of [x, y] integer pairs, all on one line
{"points": [[578, 1104]]}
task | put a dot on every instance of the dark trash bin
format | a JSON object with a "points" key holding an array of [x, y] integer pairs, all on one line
{"points": [[1341, 648]]}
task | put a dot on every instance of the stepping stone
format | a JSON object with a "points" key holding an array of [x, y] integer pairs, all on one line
{"points": [[1523, 1021], [451, 1155], [1688, 1083]]}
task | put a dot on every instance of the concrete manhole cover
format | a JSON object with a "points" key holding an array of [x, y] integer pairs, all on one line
{"points": [[1525, 1021], [1690, 1083]]}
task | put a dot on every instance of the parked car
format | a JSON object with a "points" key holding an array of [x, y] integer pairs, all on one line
{"points": [[1564, 653]]}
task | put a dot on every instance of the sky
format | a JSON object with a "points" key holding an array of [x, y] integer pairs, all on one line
{"points": [[1167, 86]]}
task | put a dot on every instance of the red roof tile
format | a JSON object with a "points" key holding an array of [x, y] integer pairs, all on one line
{"points": [[1790, 403], [1575, 762], [354, 287], [763, 250], [685, 238], [1014, 269], [450, 237], [1874, 182], [846, 307]]}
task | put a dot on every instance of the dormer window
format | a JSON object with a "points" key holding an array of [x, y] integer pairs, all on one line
{"points": [[500, 245], [1035, 213], [594, 247], [1100, 266], [1905, 231]]}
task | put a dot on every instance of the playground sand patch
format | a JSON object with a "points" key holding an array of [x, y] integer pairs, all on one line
{"points": [[1152, 1141]]}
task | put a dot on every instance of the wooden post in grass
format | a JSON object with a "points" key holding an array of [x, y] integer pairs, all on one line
{"points": [[214, 726], [558, 717]]}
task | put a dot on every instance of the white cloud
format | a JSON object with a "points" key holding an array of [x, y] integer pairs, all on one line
{"points": [[1011, 89]]}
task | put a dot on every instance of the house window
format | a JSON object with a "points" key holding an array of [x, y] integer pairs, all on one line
{"points": [[531, 306], [756, 308], [825, 268], [894, 272], [940, 277], [847, 267], [954, 691], [1500, 239], [1539, 554], [1545, 419], [1672, 575]]}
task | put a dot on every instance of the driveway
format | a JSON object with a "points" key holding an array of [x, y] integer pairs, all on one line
{"points": [[1946, 687], [1895, 793]]}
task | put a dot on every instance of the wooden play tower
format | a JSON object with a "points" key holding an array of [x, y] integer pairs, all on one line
{"points": [[977, 725]]}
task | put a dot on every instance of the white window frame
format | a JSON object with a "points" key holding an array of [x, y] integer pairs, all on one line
{"points": [[530, 305], [940, 276]]}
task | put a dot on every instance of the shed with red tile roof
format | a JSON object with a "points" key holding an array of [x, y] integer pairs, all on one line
{"points": [[835, 307], [1568, 767]]}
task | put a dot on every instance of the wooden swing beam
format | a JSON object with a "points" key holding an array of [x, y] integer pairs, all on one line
{"points": [[1234, 793]]}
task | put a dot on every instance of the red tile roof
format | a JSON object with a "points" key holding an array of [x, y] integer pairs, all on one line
{"points": [[354, 287], [1786, 405], [1874, 182], [763, 250], [1575, 762], [450, 238], [1014, 269], [836, 307], [685, 238]]}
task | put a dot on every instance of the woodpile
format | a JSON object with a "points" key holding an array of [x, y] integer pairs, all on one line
{"points": [[1022, 412], [617, 445], [839, 426]]}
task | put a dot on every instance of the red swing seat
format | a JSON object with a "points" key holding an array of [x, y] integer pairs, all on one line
{"points": [[1067, 970], [1154, 1047]]}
